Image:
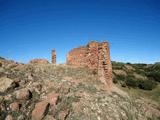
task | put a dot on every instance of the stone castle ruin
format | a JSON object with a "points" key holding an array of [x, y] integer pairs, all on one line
{"points": [[96, 56]]}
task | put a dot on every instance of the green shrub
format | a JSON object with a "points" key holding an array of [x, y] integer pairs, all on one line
{"points": [[156, 67], [141, 71], [139, 65], [120, 77], [117, 65], [146, 84], [131, 82], [142, 84], [154, 75], [153, 72], [115, 80], [3, 114]]}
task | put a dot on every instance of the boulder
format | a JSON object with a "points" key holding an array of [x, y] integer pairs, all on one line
{"points": [[52, 98], [8, 97], [63, 114], [41, 61], [5, 84], [9, 117], [49, 117], [40, 110], [23, 94], [15, 106]]}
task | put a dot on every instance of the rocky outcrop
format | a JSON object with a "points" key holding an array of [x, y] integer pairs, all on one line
{"points": [[53, 56], [52, 98], [23, 94], [5, 84], [95, 56], [44, 61], [40, 110], [15, 106]]}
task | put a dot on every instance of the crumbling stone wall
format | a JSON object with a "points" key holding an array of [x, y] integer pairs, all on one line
{"points": [[53, 56], [43, 61], [95, 56]]}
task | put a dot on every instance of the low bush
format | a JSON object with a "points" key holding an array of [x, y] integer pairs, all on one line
{"points": [[141, 84], [120, 77], [115, 80], [147, 84], [154, 75], [131, 82], [117, 65], [153, 72]]}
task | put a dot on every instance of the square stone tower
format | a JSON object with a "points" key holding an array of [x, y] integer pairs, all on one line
{"points": [[53, 56]]}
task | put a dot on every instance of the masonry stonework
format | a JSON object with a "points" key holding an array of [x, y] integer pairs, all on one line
{"points": [[53, 56], [38, 60], [95, 56]]}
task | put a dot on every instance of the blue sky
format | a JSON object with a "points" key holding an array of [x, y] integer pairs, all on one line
{"points": [[31, 28]]}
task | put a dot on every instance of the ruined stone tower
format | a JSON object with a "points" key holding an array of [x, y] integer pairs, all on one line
{"points": [[95, 56], [104, 63], [53, 56]]}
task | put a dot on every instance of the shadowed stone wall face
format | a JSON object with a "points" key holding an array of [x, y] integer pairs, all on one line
{"points": [[104, 63], [96, 56], [53, 56]]}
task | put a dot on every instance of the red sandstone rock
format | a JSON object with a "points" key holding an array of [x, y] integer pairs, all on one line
{"points": [[23, 94], [40, 110], [8, 97], [53, 57], [52, 98], [63, 114], [9, 117], [95, 56], [42, 61], [49, 117], [15, 106], [5, 84]]}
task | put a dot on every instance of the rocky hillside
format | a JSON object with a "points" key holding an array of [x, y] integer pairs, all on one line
{"points": [[61, 92], [139, 79]]}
